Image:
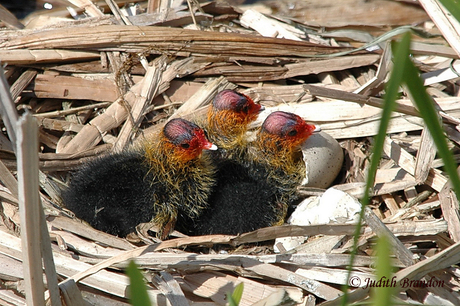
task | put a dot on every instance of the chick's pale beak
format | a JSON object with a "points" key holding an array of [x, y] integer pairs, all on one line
{"points": [[317, 129], [209, 146]]}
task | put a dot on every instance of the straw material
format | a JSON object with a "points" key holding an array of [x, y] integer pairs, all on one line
{"points": [[115, 74]]}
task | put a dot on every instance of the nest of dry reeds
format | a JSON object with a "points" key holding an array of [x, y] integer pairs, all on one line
{"points": [[97, 77]]}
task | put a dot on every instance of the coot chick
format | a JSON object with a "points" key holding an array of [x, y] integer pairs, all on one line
{"points": [[157, 181], [257, 191], [226, 124], [228, 118]]}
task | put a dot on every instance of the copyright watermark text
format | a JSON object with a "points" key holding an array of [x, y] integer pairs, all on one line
{"points": [[404, 283]]}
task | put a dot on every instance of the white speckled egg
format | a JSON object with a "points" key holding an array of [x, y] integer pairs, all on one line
{"points": [[324, 158]]}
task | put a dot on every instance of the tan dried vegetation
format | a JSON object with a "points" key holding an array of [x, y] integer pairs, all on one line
{"points": [[99, 82]]}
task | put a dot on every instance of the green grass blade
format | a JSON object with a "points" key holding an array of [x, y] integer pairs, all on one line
{"points": [[401, 54], [453, 6], [404, 72], [429, 114], [137, 290], [235, 298], [383, 295]]}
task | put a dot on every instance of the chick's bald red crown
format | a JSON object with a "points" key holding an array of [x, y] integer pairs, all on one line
{"points": [[187, 137], [287, 125], [240, 103]]}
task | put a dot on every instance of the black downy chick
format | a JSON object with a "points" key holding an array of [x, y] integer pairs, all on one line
{"points": [[160, 181], [226, 125], [257, 191]]}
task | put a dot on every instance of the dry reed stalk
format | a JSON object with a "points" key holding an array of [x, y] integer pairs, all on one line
{"points": [[105, 281], [441, 260], [282, 296], [34, 233], [47, 86], [21, 83], [29, 57], [150, 88], [425, 156], [341, 93], [30, 209], [152, 39], [401, 252], [274, 272], [203, 96], [171, 289], [89, 7], [447, 24], [450, 210], [8, 179]]}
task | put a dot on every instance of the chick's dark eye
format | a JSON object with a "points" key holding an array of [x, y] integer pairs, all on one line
{"points": [[245, 109], [185, 145], [292, 133]]}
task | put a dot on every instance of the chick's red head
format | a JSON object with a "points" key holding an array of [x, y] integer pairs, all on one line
{"points": [[186, 139], [235, 107], [287, 128]]}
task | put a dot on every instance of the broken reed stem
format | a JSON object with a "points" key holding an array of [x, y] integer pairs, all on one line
{"points": [[29, 209], [48, 261], [35, 239], [149, 89], [73, 110], [8, 112]]}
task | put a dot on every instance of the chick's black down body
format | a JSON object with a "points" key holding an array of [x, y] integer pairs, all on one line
{"points": [[240, 202], [159, 181], [256, 190], [113, 193]]}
